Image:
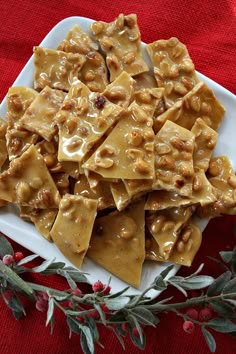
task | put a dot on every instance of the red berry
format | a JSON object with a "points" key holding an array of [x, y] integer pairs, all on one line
{"points": [[192, 313], [18, 256], [107, 290], [205, 314], [77, 292], [188, 326], [105, 308], [41, 305], [8, 259], [135, 332], [98, 286]]}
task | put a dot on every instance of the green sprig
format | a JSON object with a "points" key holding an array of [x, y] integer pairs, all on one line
{"points": [[121, 313]]}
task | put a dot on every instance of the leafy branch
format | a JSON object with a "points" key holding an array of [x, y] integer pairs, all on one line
{"points": [[119, 312]]}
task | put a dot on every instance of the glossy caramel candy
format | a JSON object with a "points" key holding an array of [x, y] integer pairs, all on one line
{"points": [[84, 118], [127, 152], [28, 182], [117, 243], [120, 40], [73, 226], [55, 68]]}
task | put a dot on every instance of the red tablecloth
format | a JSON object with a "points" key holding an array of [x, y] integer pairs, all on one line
{"points": [[208, 28]]}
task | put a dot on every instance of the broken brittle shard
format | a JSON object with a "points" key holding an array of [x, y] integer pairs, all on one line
{"points": [[127, 152], [73, 226], [120, 41], [118, 243], [28, 182]]}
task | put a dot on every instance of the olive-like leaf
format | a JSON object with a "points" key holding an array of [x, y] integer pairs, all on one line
{"points": [[93, 326], [52, 268], [67, 276], [209, 340], [139, 340], [159, 283], [223, 308], [5, 247], [218, 285], [222, 325], [86, 332], [230, 287], [191, 283], [145, 316], [166, 271], [27, 259], [226, 256], [117, 303], [14, 279], [73, 325], [15, 304], [43, 266], [76, 275], [50, 311]]}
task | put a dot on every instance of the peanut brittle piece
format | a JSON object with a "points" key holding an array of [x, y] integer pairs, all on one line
{"points": [[173, 68], [120, 90], [83, 119], [62, 182], [184, 250], [71, 168], [19, 98], [55, 68], [165, 226], [102, 192], [205, 142], [200, 102], [174, 159], [120, 40], [77, 41], [48, 149], [223, 179], [94, 72], [202, 194], [39, 116], [137, 187], [120, 195], [220, 167], [186, 247], [127, 152], [18, 140], [73, 226], [148, 99], [117, 243], [28, 182], [3, 146], [43, 219], [161, 199], [144, 80]]}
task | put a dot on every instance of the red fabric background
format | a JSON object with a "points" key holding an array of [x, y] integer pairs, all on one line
{"points": [[208, 28]]}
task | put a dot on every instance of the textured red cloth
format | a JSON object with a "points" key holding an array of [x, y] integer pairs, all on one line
{"points": [[208, 28]]}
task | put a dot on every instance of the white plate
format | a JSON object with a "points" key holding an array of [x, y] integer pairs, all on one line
{"points": [[26, 234]]}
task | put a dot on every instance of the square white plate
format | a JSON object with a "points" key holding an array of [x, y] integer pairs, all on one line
{"points": [[25, 233]]}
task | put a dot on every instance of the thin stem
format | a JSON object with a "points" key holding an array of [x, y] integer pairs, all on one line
{"points": [[187, 303]]}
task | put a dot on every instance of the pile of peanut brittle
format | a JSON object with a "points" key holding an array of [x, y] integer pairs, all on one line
{"points": [[111, 158]]}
